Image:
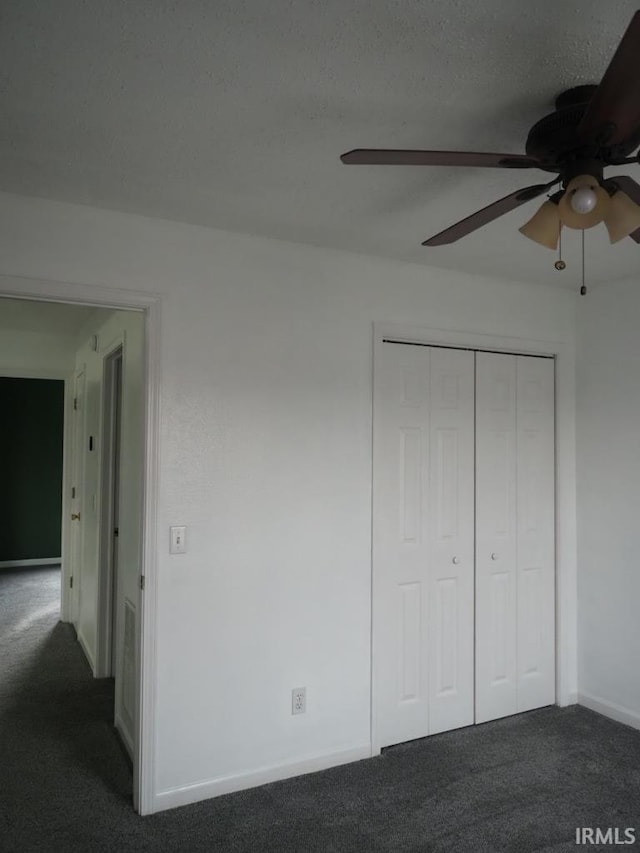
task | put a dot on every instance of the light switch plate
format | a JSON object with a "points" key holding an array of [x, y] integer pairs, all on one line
{"points": [[177, 540]]}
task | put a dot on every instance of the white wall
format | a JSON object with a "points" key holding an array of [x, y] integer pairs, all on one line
{"points": [[34, 354], [609, 500], [265, 454], [38, 338]]}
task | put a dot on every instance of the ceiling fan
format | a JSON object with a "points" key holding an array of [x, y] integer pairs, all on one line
{"points": [[592, 127]]}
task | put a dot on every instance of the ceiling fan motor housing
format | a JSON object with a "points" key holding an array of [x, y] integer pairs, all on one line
{"points": [[554, 140]]}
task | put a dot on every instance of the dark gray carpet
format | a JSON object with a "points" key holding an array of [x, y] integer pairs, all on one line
{"points": [[520, 784]]}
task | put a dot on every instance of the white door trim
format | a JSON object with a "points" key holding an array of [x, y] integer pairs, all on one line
{"points": [[107, 582], [566, 542], [73, 500], [19, 287]]}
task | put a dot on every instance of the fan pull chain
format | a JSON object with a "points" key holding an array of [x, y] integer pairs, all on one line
{"points": [[583, 288], [560, 264]]}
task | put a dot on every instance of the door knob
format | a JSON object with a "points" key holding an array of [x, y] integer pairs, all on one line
{"points": [[455, 561], [494, 556], [75, 516]]}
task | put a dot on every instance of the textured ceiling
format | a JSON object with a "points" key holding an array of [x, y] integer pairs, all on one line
{"points": [[51, 318], [233, 114]]}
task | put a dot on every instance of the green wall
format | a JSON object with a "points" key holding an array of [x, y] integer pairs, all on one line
{"points": [[31, 434]]}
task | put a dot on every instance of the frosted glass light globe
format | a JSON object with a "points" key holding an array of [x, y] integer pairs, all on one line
{"points": [[584, 200]]}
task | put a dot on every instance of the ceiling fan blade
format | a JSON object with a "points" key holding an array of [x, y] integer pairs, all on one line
{"points": [[393, 157], [487, 214], [627, 185], [613, 114], [630, 188]]}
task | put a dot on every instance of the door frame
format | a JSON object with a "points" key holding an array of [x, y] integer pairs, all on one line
{"points": [[107, 581], [73, 452], [98, 296], [565, 484]]}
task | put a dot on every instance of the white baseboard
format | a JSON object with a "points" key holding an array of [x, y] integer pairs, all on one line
{"points": [[87, 652], [569, 699], [610, 709], [43, 561], [228, 784]]}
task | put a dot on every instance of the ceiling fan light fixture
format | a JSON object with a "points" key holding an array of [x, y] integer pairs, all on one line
{"points": [[544, 226], [583, 200], [584, 204], [623, 217]]}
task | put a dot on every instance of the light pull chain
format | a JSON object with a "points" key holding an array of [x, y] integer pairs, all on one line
{"points": [[560, 264], [583, 288]]}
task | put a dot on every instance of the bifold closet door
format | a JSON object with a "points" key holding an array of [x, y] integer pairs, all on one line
{"points": [[515, 604], [423, 584]]}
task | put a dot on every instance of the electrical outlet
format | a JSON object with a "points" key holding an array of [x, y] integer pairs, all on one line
{"points": [[298, 700]]}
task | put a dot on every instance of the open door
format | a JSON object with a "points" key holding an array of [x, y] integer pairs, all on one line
{"points": [[102, 328]]}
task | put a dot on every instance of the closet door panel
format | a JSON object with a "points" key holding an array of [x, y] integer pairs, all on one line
{"points": [[536, 534], [496, 536], [451, 536], [464, 538], [401, 546]]}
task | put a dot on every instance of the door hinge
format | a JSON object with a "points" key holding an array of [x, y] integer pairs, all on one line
{"points": [[115, 531], [75, 404], [71, 582], [73, 492], [141, 581]]}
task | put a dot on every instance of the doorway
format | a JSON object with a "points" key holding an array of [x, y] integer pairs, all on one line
{"points": [[94, 462], [31, 442]]}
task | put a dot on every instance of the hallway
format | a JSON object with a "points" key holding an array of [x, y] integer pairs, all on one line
{"points": [[58, 748]]}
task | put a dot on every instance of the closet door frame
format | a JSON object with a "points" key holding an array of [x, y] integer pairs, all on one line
{"points": [[565, 503]]}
